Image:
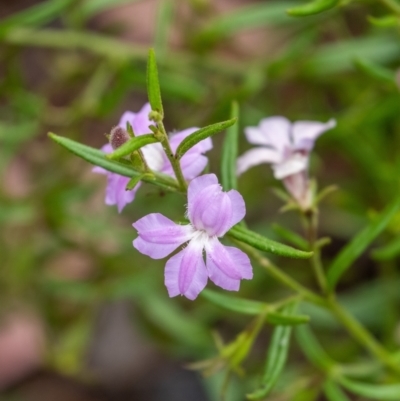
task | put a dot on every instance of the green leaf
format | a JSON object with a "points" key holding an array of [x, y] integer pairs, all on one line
{"points": [[153, 85], [229, 153], [388, 251], [384, 22], [333, 392], [333, 58], [247, 17], [35, 16], [165, 15], [98, 158], [131, 145], [381, 392], [313, 7], [277, 318], [312, 348], [359, 243], [276, 357], [250, 307], [135, 180], [88, 8], [264, 244], [375, 70], [290, 236], [201, 134]]}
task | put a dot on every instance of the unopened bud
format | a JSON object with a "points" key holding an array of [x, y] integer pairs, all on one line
{"points": [[118, 136]]}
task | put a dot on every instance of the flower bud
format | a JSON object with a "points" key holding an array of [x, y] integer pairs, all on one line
{"points": [[118, 136]]}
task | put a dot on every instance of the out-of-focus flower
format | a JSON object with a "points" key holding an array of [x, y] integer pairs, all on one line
{"points": [[286, 147], [192, 163], [211, 213]]}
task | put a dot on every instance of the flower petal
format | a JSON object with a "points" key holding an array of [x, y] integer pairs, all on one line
{"points": [[186, 273], [197, 185], [192, 164], [154, 156], [292, 165], [176, 138], [127, 117], [272, 131], [159, 236], [139, 121], [116, 194], [238, 207], [277, 130], [227, 265], [211, 211], [256, 156], [306, 132]]}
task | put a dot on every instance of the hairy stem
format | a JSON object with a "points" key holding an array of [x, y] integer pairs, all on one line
{"points": [[175, 163]]}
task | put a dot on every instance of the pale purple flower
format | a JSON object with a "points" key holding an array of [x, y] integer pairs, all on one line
{"points": [[211, 213], [192, 163], [286, 147]]}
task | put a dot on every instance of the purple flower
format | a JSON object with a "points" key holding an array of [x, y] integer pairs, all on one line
{"points": [[211, 213], [286, 147], [192, 163]]}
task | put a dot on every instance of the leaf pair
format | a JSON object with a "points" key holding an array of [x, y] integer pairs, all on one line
{"points": [[154, 94]]}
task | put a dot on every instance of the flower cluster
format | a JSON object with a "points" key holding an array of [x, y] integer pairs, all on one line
{"points": [[192, 163], [211, 211]]}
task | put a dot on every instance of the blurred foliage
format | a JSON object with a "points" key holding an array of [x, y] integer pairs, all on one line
{"points": [[64, 254]]}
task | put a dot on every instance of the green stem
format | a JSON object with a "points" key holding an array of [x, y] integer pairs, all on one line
{"points": [[281, 276], [362, 335], [315, 260], [176, 166], [357, 331]]}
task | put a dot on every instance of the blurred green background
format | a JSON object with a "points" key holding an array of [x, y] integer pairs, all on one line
{"points": [[85, 316]]}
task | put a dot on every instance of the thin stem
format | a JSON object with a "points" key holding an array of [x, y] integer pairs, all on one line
{"points": [[362, 335], [315, 260], [176, 165], [357, 331], [281, 276]]}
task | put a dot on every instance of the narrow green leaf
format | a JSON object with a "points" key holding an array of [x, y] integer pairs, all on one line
{"points": [[229, 152], [375, 70], [165, 14], [135, 180], [388, 251], [246, 17], [35, 16], [360, 242], [153, 85], [264, 244], [313, 7], [312, 348], [131, 145], [88, 8], [276, 357], [277, 318], [255, 308], [201, 134], [333, 392], [333, 58], [98, 158], [381, 392], [234, 304], [290, 236], [384, 22]]}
